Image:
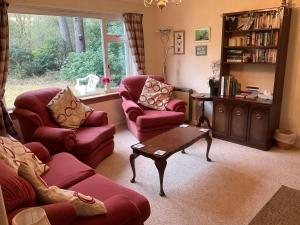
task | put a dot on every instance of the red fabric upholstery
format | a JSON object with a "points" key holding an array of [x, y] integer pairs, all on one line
{"points": [[91, 185], [125, 207], [37, 124], [65, 171], [141, 121], [39, 150], [17, 192]]}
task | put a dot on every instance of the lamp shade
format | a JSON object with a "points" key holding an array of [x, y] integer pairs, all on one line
{"points": [[31, 216], [3, 217]]}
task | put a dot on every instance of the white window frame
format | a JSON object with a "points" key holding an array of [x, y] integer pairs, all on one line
{"points": [[103, 17]]}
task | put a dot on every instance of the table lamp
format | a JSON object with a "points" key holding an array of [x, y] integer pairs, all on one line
{"points": [[3, 217]]}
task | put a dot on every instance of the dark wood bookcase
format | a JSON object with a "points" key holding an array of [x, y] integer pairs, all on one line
{"points": [[253, 122]]}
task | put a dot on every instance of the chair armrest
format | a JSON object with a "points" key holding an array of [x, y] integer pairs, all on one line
{"points": [[60, 213], [123, 92], [39, 150], [96, 119], [120, 210], [176, 105], [132, 110], [55, 139]]}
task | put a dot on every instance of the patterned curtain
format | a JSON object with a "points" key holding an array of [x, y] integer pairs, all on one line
{"points": [[134, 29], [6, 125]]}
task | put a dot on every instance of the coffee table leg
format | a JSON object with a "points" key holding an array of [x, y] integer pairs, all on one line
{"points": [[132, 158], [208, 140], [161, 166], [183, 151]]}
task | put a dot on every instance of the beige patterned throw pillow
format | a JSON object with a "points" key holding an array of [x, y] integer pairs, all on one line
{"points": [[13, 153], [155, 95], [83, 205], [67, 110]]}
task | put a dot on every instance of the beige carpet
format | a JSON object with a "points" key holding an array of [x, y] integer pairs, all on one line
{"points": [[229, 191]]}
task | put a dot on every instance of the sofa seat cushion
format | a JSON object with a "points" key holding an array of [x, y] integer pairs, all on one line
{"points": [[153, 118], [66, 170], [17, 192], [89, 138], [102, 188]]}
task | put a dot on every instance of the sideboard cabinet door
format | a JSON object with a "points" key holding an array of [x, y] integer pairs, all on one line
{"points": [[238, 122], [221, 119]]}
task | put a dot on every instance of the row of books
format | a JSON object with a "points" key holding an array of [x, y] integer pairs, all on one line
{"points": [[267, 20], [264, 56], [265, 38], [229, 86]]}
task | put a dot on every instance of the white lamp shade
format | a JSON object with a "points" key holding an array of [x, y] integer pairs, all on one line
{"points": [[31, 216], [3, 216]]}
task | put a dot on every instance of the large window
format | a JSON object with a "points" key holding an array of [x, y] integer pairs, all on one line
{"points": [[56, 51]]}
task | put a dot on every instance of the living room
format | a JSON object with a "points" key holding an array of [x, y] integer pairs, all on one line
{"points": [[235, 187]]}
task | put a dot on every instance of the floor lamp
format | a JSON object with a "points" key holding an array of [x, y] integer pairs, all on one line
{"points": [[3, 216]]}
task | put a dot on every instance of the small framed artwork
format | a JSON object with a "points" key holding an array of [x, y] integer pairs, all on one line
{"points": [[179, 42], [201, 50], [202, 34]]}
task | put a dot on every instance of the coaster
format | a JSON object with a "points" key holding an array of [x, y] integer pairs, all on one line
{"points": [[203, 129], [159, 152], [184, 125], [139, 145]]}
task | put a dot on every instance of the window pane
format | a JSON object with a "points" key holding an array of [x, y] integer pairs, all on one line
{"points": [[52, 51], [116, 61], [115, 28]]}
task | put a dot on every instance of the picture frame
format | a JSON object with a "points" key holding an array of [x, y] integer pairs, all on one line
{"points": [[201, 50], [179, 42], [202, 34]]}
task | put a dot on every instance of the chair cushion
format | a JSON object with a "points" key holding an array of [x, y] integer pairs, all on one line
{"points": [[102, 188], [65, 171], [153, 118], [17, 192], [67, 110], [155, 94], [135, 84], [89, 138]]}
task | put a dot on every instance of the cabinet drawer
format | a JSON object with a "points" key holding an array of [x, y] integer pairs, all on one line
{"points": [[238, 122], [258, 126], [220, 120]]}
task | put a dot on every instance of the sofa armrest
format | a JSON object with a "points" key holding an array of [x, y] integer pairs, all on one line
{"points": [[176, 105], [60, 213], [120, 210], [96, 119], [59, 138], [132, 110], [39, 150], [123, 92]]}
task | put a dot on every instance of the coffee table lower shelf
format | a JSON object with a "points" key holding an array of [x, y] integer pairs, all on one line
{"points": [[163, 142]]}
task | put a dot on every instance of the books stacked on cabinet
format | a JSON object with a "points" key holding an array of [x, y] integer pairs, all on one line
{"points": [[235, 56], [229, 86]]}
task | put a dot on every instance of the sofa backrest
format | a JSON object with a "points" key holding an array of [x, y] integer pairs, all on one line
{"points": [[135, 84], [36, 101], [17, 192]]}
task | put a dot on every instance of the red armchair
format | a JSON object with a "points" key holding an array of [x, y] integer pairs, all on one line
{"points": [[91, 143], [143, 122], [124, 206]]}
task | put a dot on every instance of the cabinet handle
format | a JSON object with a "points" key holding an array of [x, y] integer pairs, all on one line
{"points": [[258, 116], [238, 113], [220, 110]]}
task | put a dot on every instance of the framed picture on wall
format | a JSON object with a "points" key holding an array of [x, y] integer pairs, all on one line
{"points": [[201, 50], [202, 34], [179, 42]]}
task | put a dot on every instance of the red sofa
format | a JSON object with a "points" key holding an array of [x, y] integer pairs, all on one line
{"points": [[124, 206], [91, 143], [143, 122]]}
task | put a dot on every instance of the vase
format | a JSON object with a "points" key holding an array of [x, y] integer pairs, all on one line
{"points": [[214, 91]]}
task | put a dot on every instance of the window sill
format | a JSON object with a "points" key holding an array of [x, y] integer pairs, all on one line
{"points": [[100, 98]]}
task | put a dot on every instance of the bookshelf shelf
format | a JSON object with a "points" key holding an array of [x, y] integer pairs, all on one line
{"points": [[247, 39]]}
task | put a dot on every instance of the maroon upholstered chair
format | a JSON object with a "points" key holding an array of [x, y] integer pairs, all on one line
{"points": [[91, 143], [143, 122]]}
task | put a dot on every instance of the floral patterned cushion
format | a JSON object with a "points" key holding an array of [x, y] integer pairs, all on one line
{"points": [[67, 110], [84, 205], [13, 153], [155, 95]]}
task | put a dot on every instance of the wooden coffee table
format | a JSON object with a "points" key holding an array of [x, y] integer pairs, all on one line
{"points": [[172, 141]]}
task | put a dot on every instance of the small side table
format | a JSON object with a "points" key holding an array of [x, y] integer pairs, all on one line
{"points": [[203, 97]]}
